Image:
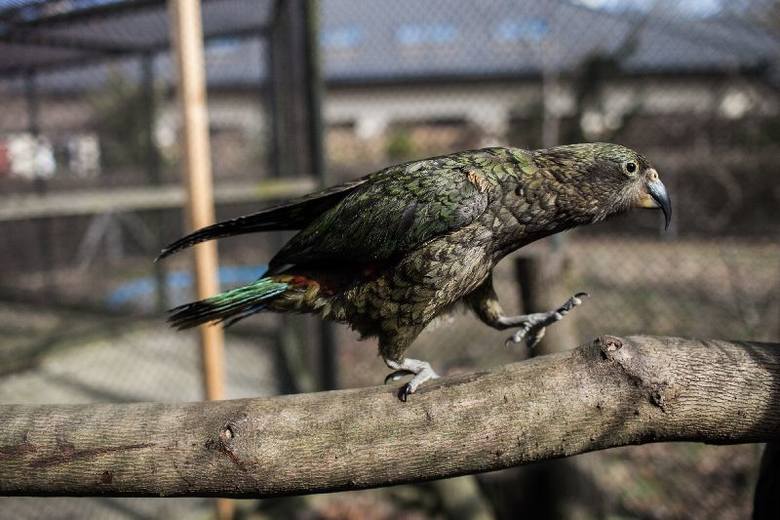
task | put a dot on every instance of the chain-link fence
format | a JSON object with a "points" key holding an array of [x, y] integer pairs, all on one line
{"points": [[90, 190]]}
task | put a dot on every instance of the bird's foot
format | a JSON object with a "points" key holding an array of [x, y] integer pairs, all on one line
{"points": [[421, 370], [533, 326]]}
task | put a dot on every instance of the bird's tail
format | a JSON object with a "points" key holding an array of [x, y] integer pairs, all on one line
{"points": [[230, 306]]}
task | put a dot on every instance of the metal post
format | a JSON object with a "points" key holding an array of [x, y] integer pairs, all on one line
{"points": [[31, 97], [290, 372], [153, 174], [294, 99], [314, 89], [282, 85], [539, 276], [43, 226], [328, 348], [270, 99]]}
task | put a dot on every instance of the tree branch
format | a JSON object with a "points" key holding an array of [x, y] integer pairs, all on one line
{"points": [[612, 392]]}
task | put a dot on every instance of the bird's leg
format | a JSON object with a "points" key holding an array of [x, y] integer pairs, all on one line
{"points": [[421, 369], [532, 326], [484, 302]]}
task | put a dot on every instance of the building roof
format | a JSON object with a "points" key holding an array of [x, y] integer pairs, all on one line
{"points": [[375, 39], [74, 43], [48, 34]]}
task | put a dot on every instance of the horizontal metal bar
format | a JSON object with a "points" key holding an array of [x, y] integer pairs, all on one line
{"points": [[91, 202]]}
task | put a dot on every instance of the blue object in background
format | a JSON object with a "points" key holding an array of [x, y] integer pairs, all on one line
{"points": [[179, 286]]}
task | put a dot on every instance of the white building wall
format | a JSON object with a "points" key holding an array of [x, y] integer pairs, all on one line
{"points": [[372, 109], [490, 106]]}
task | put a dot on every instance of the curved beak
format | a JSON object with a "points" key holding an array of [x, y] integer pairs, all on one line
{"points": [[656, 196]]}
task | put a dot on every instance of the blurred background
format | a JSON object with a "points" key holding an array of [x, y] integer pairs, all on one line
{"points": [[91, 188]]}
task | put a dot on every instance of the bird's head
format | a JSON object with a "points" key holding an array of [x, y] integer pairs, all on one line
{"points": [[612, 178]]}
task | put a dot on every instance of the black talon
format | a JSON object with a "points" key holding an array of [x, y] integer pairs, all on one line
{"points": [[404, 392]]}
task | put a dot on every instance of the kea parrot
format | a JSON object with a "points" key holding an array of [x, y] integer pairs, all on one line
{"points": [[389, 252]]}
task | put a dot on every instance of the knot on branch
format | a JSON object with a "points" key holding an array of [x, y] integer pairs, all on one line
{"points": [[637, 368], [225, 440]]}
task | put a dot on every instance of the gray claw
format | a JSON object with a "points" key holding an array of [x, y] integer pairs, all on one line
{"points": [[534, 339], [518, 336], [573, 302], [396, 375], [421, 370]]}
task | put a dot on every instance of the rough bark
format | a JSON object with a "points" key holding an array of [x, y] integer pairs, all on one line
{"points": [[612, 392]]}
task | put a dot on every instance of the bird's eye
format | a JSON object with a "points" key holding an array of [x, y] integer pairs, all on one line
{"points": [[630, 167]]}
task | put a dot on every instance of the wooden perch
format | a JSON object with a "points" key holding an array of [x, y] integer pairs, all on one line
{"points": [[612, 392]]}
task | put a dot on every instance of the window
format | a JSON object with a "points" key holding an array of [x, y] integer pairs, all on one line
{"points": [[525, 30], [226, 45], [422, 34], [346, 37]]}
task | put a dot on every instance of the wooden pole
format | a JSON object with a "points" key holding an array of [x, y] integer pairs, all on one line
{"points": [[187, 34], [187, 41]]}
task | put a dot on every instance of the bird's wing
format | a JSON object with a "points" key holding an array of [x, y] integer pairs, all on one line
{"points": [[295, 214], [395, 211]]}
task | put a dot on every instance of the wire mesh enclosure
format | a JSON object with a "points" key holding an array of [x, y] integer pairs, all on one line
{"points": [[90, 190]]}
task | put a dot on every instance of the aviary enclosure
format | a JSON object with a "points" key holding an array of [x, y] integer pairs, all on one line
{"points": [[300, 94]]}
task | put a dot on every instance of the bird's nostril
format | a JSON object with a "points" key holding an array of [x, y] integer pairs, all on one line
{"points": [[653, 175]]}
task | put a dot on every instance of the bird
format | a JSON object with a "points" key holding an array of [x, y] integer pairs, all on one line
{"points": [[389, 252]]}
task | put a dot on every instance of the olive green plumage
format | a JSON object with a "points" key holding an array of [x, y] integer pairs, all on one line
{"points": [[389, 252]]}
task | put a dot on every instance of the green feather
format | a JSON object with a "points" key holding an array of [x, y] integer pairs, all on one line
{"points": [[232, 305]]}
